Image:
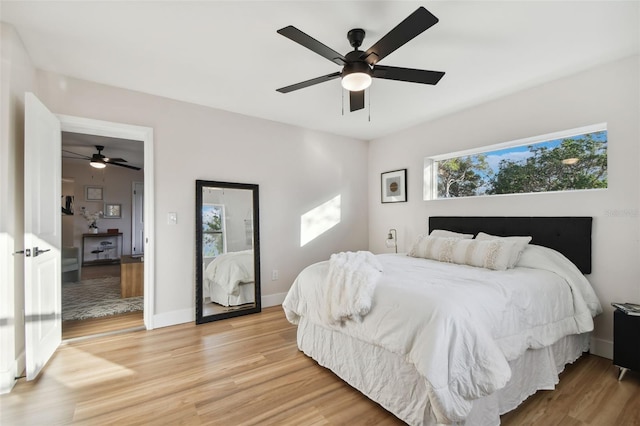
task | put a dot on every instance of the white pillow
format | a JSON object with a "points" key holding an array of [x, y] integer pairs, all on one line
{"points": [[518, 243], [491, 254], [449, 234]]}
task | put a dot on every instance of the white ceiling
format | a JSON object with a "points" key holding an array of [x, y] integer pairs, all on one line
{"points": [[227, 54]]}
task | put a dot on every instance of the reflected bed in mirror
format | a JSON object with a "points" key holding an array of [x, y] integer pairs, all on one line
{"points": [[227, 250]]}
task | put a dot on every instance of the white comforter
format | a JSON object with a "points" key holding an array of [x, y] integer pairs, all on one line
{"points": [[229, 270], [458, 325]]}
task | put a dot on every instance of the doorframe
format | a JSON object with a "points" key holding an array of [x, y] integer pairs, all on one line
{"points": [[138, 134]]}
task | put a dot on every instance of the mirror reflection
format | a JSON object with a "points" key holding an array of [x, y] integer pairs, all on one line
{"points": [[227, 250]]}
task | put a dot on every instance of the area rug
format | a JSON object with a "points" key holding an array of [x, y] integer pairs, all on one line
{"points": [[95, 298]]}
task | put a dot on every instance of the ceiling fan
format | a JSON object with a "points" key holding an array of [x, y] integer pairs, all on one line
{"points": [[358, 67], [99, 161]]}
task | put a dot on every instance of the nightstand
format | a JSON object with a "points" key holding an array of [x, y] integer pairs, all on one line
{"points": [[626, 335]]}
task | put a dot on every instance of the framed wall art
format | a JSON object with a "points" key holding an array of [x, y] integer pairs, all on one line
{"points": [[93, 193], [394, 186], [112, 211]]}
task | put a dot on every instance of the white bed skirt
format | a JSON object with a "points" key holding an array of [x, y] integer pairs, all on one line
{"points": [[386, 378], [245, 295]]}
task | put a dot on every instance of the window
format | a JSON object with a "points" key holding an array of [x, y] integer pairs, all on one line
{"points": [[213, 230], [564, 161]]}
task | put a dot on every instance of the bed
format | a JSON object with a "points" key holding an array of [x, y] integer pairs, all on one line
{"points": [[439, 342], [229, 279]]}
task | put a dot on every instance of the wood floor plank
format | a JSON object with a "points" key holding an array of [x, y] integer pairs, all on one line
{"points": [[249, 371]]}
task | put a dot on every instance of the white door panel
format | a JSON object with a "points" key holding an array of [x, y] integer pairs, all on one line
{"points": [[43, 304]]}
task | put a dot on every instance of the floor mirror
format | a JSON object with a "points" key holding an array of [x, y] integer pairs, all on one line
{"points": [[227, 250]]}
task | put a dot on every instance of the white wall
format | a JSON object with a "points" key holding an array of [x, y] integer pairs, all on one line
{"points": [[296, 169], [117, 185], [18, 76], [607, 93]]}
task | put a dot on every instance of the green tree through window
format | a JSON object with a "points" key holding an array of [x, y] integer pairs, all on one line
{"points": [[577, 163], [561, 164], [462, 176]]}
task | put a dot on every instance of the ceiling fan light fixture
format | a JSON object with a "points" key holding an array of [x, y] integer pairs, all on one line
{"points": [[356, 76], [98, 164], [356, 81]]}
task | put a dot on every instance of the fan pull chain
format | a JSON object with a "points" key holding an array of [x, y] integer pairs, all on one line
{"points": [[369, 98], [342, 91]]}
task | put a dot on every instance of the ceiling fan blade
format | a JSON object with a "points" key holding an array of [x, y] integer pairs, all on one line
{"points": [[80, 156], [125, 165], [312, 44], [407, 74], [114, 160], [356, 100], [308, 83], [414, 24]]}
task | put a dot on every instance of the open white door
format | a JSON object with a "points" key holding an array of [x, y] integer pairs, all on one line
{"points": [[42, 239]]}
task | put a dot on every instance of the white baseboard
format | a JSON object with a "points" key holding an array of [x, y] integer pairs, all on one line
{"points": [[7, 380], [174, 318], [273, 299], [603, 348], [8, 377], [189, 315]]}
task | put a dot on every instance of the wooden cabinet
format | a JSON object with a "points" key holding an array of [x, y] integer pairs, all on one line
{"points": [[100, 249], [131, 276], [626, 335]]}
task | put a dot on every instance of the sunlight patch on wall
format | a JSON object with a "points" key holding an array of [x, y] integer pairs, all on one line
{"points": [[319, 220]]}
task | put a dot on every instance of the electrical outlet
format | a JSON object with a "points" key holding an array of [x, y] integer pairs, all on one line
{"points": [[275, 275]]}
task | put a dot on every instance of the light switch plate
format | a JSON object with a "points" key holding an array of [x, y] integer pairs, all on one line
{"points": [[172, 218]]}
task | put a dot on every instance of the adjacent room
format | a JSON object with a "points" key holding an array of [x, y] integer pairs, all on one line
{"points": [[102, 230], [311, 212]]}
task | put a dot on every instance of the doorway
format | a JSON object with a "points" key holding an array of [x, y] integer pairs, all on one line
{"points": [[142, 137], [98, 229]]}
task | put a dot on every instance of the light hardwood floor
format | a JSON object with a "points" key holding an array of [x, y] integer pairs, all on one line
{"points": [[248, 371], [72, 329]]}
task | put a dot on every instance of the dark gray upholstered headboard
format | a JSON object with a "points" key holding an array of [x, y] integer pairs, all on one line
{"points": [[570, 236]]}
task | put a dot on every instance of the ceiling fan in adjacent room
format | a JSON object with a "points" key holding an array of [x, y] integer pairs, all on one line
{"points": [[358, 67], [99, 161]]}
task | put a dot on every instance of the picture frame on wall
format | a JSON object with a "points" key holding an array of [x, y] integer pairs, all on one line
{"points": [[394, 186], [93, 193], [112, 211]]}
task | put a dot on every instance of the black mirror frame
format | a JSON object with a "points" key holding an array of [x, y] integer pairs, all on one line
{"points": [[200, 185]]}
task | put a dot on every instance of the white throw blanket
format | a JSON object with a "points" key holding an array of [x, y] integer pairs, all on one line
{"points": [[350, 284]]}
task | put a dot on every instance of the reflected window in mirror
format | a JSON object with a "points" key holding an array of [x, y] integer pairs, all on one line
{"points": [[227, 250], [213, 235]]}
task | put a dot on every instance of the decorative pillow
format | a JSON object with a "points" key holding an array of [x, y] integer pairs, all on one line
{"points": [[491, 254], [519, 243], [449, 234]]}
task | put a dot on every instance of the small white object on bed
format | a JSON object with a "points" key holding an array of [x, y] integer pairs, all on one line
{"points": [[449, 333], [229, 279]]}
